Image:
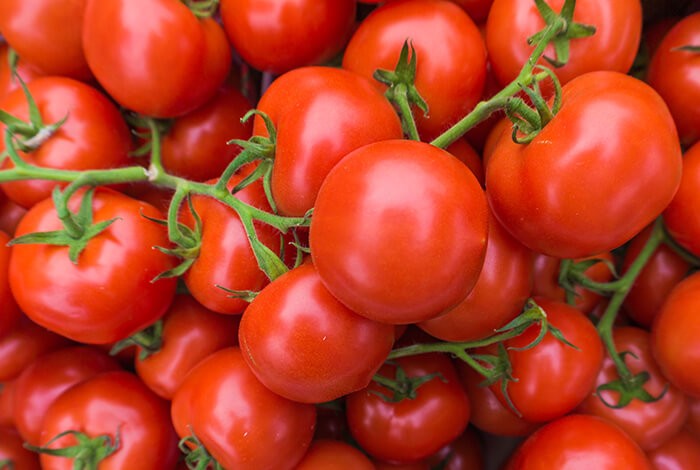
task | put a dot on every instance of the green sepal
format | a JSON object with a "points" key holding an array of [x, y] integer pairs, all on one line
{"points": [[500, 370], [149, 341], [197, 458], [402, 386], [7, 464], [245, 295], [687, 48], [404, 73], [629, 389], [87, 453]]}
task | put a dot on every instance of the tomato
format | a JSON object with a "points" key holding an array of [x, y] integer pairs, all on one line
{"points": [[305, 345], [326, 453], [7, 403], [94, 135], [37, 31], [9, 83], [680, 452], [613, 47], [109, 294], [674, 335], [190, 333], [42, 381], [426, 217], [541, 191], [155, 57], [508, 272], [412, 428], [463, 150], [107, 404], [466, 451], [13, 455], [10, 214], [9, 311], [672, 72], [579, 442], [680, 216], [478, 10], [451, 56], [241, 423], [273, 36], [312, 136], [553, 378], [649, 424], [693, 423]]}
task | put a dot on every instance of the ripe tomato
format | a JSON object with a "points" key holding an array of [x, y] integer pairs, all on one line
{"points": [[693, 423], [410, 429], [273, 36], [13, 455], [427, 219], [680, 216], [325, 453], [107, 404], [579, 442], [478, 10], [241, 423], [7, 403], [541, 191], [10, 214], [155, 57], [451, 56], [680, 452], [312, 137], [109, 294], [305, 345], [9, 311]]}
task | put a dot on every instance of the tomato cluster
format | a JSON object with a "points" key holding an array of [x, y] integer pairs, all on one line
{"points": [[354, 234]]}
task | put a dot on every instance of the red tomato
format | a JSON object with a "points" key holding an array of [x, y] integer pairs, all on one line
{"points": [[693, 423], [674, 335], [9, 311], [478, 10], [273, 36], [613, 47], [241, 423], [13, 455], [325, 454], [7, 403], [680, 452], [579, 442], [680, 216], [673, 73], [463, 150], [541, 192], [312, 136], [305, 345], [9, 83], [649, 424], [10, 214], [94, 135], [191, 332], [507, 273], [155, 57], [109, 294], [463, 453], [410, 429], [107, 404], [427, 219], [451, 56], [47, 377]]}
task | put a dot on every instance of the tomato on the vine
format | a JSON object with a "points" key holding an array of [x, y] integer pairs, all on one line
{"points": [[680, 216]]}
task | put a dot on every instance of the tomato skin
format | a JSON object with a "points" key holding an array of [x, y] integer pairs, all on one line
{"points": [[649, 424], [155, 57], [680, 452], [305, 345], [94, 135], [325, 453], [673, 73], [613, 46], [42, 381], [450, 79], [9, 311], [541, 192], [674, 335], [12, 449], [107, 403], [410, 429], [93, 301], [478, 10], [272, 36], [680, 216], [237, 419], [400, 194], [578, 442], [7, 403], [312, 137], [693, 423]]}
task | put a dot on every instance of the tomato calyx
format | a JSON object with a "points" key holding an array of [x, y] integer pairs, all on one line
{"points": [[140, 129], [7, 464], [402, 386], [149, 341], [688, 48], [87, 453], [202, 9], [196, 455], [572, 273], [629, 387]]}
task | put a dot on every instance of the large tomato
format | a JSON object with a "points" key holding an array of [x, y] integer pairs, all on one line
{"points": [[154, 56], [109, 294], [588, 184], [681, 216], [399, 231]]}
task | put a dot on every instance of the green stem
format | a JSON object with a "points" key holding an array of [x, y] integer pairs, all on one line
{"points": [[404, 105]]}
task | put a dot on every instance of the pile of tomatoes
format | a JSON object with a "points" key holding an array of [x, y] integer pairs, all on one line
{"points": [[353, 234]]}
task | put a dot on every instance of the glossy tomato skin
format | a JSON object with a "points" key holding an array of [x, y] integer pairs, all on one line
{"points": [[7, 400], [649, 424], [13, 451], [94, 135], [674, 335], [305, 345], [426, 215], [578, 442], [9, 311], [155, 57], [672, 72], [237, 419], [541, 191], [327, 453], [449, 78], [273, 36], [410, 429], [693, 423], [190, 333], [93, 301], [37, 31], [47, 377], [613, 47], [312, 136], [680, 452], [108, 403], [680, 216]]}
